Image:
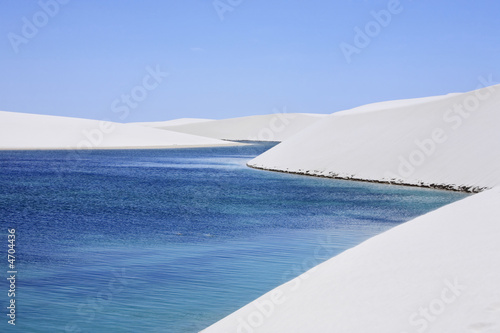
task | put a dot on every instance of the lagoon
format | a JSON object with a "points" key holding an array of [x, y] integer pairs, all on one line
{"points": [[173, 240]]}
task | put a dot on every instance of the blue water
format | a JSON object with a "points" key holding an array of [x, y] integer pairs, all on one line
{"points": [[173, 240]]}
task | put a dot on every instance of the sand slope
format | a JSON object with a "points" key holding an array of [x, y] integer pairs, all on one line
{"points": [[30, 131], [272, 127], [450, 140], [437, 273], [173, 122]]}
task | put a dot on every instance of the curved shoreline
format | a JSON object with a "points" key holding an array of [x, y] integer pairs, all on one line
{"points": [[446, 187]]}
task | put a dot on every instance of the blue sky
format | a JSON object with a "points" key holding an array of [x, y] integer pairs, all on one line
{"points": [[264, 56]]}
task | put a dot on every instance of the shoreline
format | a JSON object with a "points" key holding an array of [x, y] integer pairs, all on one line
{"points": [[444, 187], [126, 147]]}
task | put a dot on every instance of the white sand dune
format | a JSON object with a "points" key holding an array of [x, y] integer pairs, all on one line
{"points": [[272, 127], [437, 273], [173, 122], [31, 131], [451, 141]]}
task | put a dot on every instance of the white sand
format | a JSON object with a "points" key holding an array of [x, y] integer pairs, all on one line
{"points": [[421, 141], [437, 273], [272, 127], [173, 122], [30, 131]]}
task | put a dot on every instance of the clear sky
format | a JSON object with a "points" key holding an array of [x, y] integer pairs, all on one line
{"points": [[80, 58]]}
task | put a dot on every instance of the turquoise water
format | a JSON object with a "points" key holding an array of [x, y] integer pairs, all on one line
{"points": [[173, 240]]}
